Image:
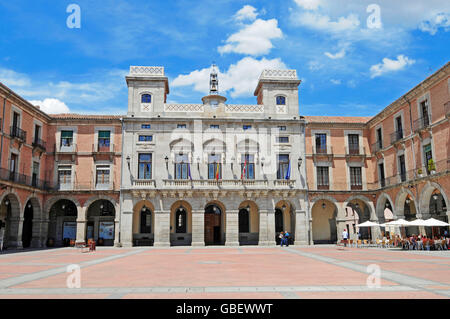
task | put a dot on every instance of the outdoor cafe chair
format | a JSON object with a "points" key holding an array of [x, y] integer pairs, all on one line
{"points": [[358, 243], [366, 243], [378, 243]]}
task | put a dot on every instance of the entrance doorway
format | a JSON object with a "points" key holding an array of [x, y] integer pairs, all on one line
{"points": [[213, 225], [27, 230]]}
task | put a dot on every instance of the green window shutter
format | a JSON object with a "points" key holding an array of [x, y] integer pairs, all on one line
{"points": [[66, 134], [104, 134]]}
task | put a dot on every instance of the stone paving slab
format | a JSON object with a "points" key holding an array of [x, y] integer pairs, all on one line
{"points": [[225, 272]]}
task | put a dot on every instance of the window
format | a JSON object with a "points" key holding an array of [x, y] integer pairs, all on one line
{"points": [[146, 221], [353, 143], [246, 127], [321, 143], [13, 166], [66, 138], [102, 176], [145, 166], [181, 166], [379, 138], [181, 126], [283, 166], [146, 126], [37, 133], [428, 157], [35, 176], [214, 126], [146, 98], [145, 138], [64, 175], [355, 178], [248, 167], [244, 221], [425, 116], [402, 167], [281, 100], [104, 138], [282, 128], [322, 177], [16, 120], [214, 167], [283, 139], [381, 174], [180, 221], [399, 127]]}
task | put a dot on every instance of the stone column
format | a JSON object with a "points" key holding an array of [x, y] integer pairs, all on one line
{"points": [[36, 238], [15, 233], [301, 228], [341, 224], [263, 229], [232, 228], [198, 228], [126, 229], [81, 230], [162, 229], [44, 232], [116, 233], [271, 227]]}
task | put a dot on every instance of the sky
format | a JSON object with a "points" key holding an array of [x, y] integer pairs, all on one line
{"points": [[354, 57]]}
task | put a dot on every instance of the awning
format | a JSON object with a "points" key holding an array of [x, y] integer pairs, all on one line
{"points": [[367, 224]]}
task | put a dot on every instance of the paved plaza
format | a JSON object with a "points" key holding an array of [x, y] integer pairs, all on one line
{"points": [[226, 272]]}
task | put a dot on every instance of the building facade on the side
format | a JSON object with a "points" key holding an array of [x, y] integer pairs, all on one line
{"points": [[390, 166]]}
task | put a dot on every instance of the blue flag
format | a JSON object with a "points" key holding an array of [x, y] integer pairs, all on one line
{"points": [[189, 171], [288, 173]]}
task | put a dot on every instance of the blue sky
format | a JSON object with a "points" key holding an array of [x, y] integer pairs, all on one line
{"points": [[351, 63]]}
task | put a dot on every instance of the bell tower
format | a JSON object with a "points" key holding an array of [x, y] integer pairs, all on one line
{"points": [[213, 81]]}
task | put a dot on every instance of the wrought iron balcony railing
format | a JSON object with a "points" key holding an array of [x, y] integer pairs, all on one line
{"points": [[421, 123], [18, 133], [39, 143], [396, 136]]}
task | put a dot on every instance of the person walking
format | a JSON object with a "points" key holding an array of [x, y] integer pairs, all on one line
{"points": [[281, 236], [286, 238], [345, 237]]}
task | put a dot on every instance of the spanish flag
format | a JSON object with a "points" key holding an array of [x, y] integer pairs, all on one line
{"points": [[217, 172]]}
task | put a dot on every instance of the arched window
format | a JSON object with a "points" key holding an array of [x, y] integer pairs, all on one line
{"points": [[244, 221], [146, 98], [146, 221], [180, 221], [281, 100]]}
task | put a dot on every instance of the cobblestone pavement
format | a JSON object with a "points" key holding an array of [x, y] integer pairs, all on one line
{"points": [[226, 272]]}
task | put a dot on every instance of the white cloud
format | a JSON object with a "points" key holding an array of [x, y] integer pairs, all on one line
{"points": [[253, 39], [13, 79], [239, 80], [308, 4], [336, 82], [428, 15], [246, 13], [338, 55], [51, 106], [321, 22], [315, 65], [389, 65], [441, 20]]}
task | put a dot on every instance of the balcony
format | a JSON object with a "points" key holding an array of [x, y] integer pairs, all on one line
{"points": [[377, 146], [323, 187], [421, 124], [38, 143], [322, 151], [18, 133], [22, 179], [212, 183], [144, 183], [66, 148], [356, 187], [102, 149], [396, 136]]}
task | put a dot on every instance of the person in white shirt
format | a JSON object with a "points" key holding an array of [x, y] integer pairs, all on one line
{"points": [[345, 237]]}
